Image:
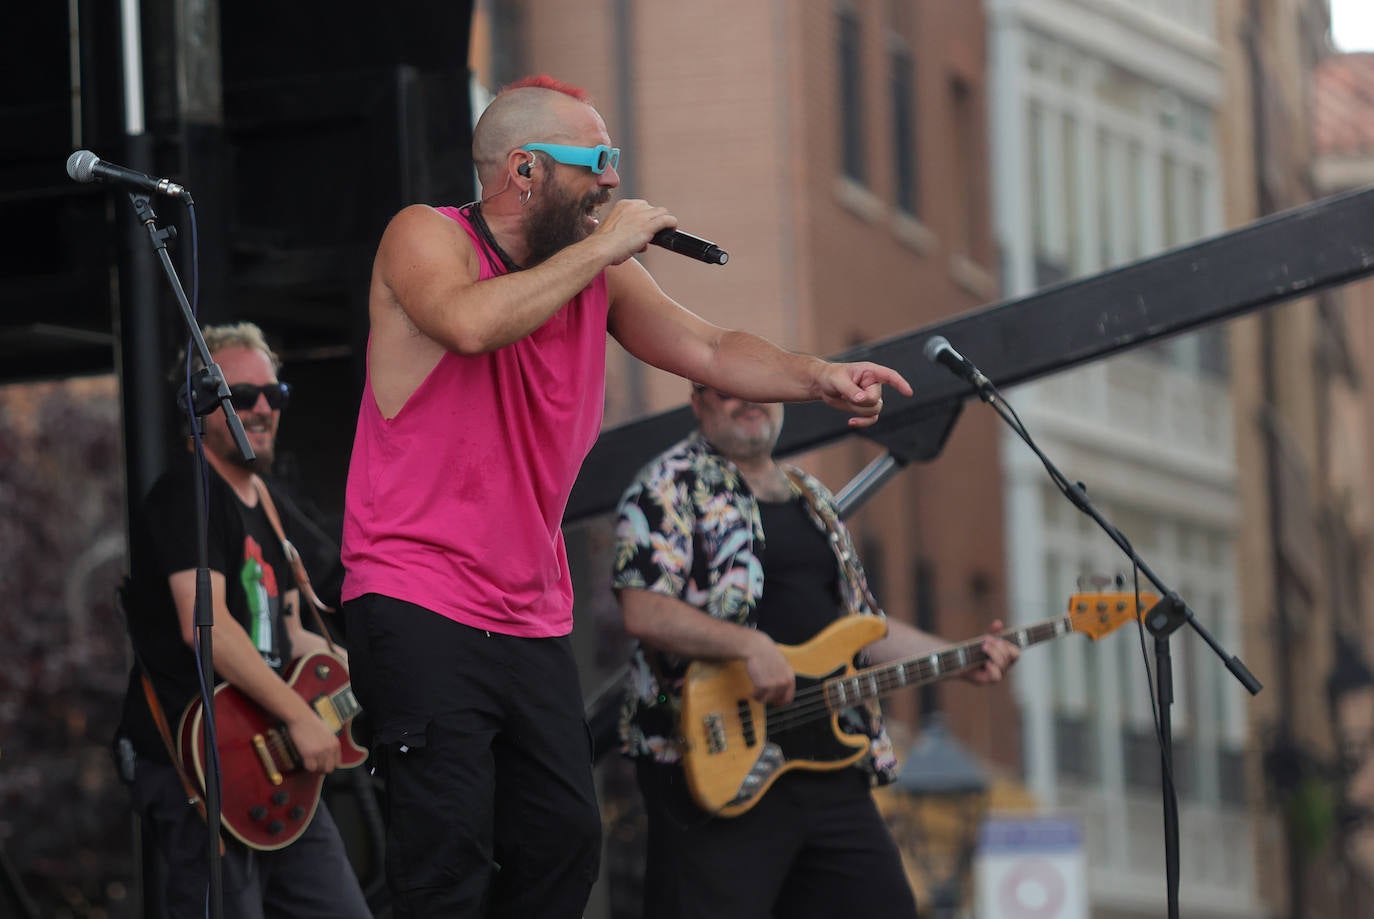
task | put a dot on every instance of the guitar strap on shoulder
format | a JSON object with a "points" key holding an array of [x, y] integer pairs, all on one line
{"points": [[312, 599], [844, 545]]}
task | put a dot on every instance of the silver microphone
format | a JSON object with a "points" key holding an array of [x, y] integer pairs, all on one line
{"points": [[938, 350], [85, 166]]}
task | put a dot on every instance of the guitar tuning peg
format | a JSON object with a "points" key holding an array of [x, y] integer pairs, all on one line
{"points": [[1090, 582]]}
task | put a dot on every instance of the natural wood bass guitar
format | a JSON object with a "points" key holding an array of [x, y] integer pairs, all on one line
{"points": [[268, 798], [734, 748]]}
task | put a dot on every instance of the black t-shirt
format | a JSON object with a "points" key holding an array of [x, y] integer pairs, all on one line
{"points": [[801, 579], [801, 596], [241, 546]]}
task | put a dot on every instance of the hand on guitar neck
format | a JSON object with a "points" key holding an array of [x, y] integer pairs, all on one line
{"points": [[775, 682], [903, 641], [1001, 654]]}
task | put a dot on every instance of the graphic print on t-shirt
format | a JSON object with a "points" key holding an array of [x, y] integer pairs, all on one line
{"points": [[264, 600]]}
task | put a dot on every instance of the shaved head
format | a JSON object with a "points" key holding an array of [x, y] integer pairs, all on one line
{"points": [[524, 114]]}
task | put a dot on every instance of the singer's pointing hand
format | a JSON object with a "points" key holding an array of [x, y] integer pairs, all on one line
{"points": [[858, 389], [630, 225]]}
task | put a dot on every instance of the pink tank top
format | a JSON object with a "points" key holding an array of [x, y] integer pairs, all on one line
{"points": [[456, 503]]}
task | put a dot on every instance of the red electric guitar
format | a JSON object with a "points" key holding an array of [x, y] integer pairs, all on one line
{"points": [[268, 798]]}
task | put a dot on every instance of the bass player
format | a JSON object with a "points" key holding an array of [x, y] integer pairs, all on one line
{"points": [[723, 554]]}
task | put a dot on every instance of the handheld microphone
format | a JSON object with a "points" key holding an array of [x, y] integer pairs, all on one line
{"points": [[85, 166], [702, 250], [938, 350]]}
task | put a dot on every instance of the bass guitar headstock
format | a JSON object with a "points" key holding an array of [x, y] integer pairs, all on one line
{"points": [[1096, 614]]}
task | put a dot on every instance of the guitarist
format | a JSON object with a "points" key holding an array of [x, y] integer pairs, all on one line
{"points": [[722, 553], [257, 632]]}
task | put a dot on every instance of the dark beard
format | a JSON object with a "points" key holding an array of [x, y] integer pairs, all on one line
{"points": [[556, 222]]}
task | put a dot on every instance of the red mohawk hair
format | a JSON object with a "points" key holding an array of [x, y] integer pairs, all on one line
{"points": [[544, 81]]}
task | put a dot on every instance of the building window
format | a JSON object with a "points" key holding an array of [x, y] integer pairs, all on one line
{"points": [[853, 151], [1214, 359], [967, 165], [903, 85], [1052, 196], [1075, 748], [1099, 693]]}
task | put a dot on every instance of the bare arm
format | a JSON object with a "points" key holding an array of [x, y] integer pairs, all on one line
{"points": [[428, 266], [661, 332], [242, 666], [903, 641], [675, 627]]}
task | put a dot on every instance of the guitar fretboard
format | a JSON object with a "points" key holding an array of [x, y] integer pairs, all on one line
{"points": [[873, 682]]}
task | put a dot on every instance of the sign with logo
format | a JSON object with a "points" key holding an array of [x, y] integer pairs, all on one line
{"points": [[1031, 868]]}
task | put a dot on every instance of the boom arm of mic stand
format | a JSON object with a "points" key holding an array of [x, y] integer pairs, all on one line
{"points": [[1079, 498]]}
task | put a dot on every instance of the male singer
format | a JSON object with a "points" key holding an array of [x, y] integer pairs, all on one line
{"points": [[484, 391]]}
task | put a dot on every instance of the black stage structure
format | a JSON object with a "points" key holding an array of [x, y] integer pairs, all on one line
{"points": [[299, 128]]}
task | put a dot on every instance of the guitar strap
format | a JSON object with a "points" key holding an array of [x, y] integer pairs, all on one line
{"points": [[312, 599], [193, 796], [165, 732], [861, 593], [828, 516]]}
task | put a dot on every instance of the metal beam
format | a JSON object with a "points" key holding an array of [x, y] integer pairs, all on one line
{"points": [[1294, 253]]}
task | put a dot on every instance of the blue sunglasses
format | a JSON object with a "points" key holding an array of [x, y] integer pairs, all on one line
{"points": [[594, 158]]}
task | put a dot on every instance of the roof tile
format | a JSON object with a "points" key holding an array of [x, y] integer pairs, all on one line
{"points": [[1343, 95]]}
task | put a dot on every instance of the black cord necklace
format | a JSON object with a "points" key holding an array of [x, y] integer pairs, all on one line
{"points": [[474, 211]]}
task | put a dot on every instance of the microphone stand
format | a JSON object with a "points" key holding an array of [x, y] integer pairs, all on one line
{"points": [[206, 390], [867, 482], [1162, 620]]}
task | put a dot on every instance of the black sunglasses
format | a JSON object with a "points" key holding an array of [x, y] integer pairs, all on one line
{"points": [[243, 396]]}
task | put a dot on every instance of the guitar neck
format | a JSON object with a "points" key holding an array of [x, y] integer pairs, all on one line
{"points": [[875, 682]]}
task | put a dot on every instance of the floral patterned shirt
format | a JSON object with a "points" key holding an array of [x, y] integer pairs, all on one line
{"points": [[689, 528]]}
